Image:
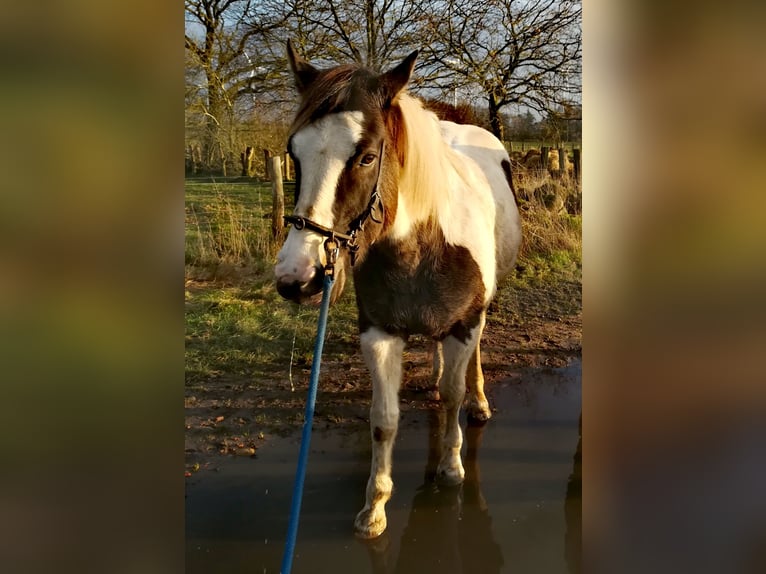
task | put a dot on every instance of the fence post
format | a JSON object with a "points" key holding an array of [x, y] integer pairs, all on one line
{"points": [[576, 163], [277, 196], [267, 163], [562, 161], [544, 159], [288, 166]]}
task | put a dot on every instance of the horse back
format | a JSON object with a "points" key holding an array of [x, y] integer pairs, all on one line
{"points": [[488, 154]]}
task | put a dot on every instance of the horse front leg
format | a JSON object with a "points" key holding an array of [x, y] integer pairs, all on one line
{"points": [[383, 355]]}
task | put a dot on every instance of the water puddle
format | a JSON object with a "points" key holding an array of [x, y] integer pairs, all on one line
{"points": [[517, 511]]}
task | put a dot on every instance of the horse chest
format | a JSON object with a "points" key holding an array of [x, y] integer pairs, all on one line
{"points": [[433, 290]]}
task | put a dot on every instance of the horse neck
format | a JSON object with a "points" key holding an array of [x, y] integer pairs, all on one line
{"points": [[427, 170]]}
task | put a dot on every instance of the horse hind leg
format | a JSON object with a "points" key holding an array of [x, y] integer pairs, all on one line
{"points": [[478, 406], [457, 355], [383, 355], [437, 371]]}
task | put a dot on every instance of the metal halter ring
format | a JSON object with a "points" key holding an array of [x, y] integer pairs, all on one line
{"points": [[331, 247]]}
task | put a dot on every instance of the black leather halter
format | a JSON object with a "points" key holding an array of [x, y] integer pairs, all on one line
{"points": [[375, 210]]}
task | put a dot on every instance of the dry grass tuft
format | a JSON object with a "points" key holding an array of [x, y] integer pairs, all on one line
{"points": [[550, 215], [227, 227]]}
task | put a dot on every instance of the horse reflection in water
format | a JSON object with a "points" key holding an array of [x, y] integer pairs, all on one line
{"points": [[573, 511], [449, 529]]}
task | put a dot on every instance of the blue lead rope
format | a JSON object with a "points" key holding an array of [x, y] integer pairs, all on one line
{"points": [[300, 473]]}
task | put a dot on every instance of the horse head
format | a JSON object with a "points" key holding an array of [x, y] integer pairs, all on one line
{"points": [[343, 142]]}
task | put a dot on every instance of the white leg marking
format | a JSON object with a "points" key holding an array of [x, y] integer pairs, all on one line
{"points": [[383, 355]]}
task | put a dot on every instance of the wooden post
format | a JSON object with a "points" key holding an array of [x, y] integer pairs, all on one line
{"points": [[562, 161], [544, 159], [576, 163], [288, 167], [277, 197], [267, 163]]}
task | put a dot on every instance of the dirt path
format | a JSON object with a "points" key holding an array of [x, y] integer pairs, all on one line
{"points": [[529, 328]]}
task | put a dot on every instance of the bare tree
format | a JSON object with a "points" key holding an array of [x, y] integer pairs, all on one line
{"points": [[374, 33], [525, 52], [229, 59]]}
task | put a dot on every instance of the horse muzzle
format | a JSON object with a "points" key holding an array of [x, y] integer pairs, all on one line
{"points": [[301, 291], [310, 292]]}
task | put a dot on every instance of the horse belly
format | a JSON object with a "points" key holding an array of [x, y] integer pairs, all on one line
{"points": [[443, 294]]}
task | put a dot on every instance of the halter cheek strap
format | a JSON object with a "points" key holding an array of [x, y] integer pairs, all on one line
{"points": [[375, 210]]}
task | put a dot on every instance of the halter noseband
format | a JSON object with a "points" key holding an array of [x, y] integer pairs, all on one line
{"points": [[335, 240]]}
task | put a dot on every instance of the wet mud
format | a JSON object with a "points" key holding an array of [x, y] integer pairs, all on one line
{"points": [[518, 509]]}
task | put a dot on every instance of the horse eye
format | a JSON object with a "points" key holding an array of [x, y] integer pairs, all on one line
{"points": [[368, 159]]}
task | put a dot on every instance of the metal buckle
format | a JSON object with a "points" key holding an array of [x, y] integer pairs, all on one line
{"points": [[331, 247]]}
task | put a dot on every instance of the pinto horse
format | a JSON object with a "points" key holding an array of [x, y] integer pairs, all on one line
{"points": [[426, 218]]}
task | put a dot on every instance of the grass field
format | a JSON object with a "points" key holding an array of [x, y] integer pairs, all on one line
{"points": [[229, 221], [237, 326]]}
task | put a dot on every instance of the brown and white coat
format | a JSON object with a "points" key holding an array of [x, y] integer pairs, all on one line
{"points": [[449, 232]]}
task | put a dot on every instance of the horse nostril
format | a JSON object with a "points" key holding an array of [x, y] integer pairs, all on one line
{"points": [[290, 290]]}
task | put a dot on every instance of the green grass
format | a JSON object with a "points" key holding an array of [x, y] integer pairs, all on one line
{"points": [[236, 323], [247, 330], [239, 329], [230, 222]]}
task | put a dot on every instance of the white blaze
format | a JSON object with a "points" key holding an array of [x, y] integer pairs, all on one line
{"points": [[322, 149]]}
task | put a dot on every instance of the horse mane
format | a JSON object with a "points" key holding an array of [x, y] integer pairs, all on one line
{"points": [[331, 91], [426, 172]]}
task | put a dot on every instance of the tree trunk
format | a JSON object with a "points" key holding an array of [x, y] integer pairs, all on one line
{"points": [[210, 144], [223, 159], [495, 121], [247, 161]]}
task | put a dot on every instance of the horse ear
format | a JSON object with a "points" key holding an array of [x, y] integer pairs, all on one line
{"points": [[303, 72], [394, 81]]}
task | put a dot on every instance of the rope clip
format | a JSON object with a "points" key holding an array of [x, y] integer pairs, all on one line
{"points": [[331, 247]]}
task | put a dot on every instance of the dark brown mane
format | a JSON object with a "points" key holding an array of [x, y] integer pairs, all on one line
{"points": [[343, 88]]}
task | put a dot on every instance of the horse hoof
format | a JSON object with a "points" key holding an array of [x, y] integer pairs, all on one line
{"points": [[367, 526], [450, 476], [479, 413]]}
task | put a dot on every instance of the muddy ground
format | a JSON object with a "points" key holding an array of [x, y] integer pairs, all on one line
{"points": [[529, 329]]}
